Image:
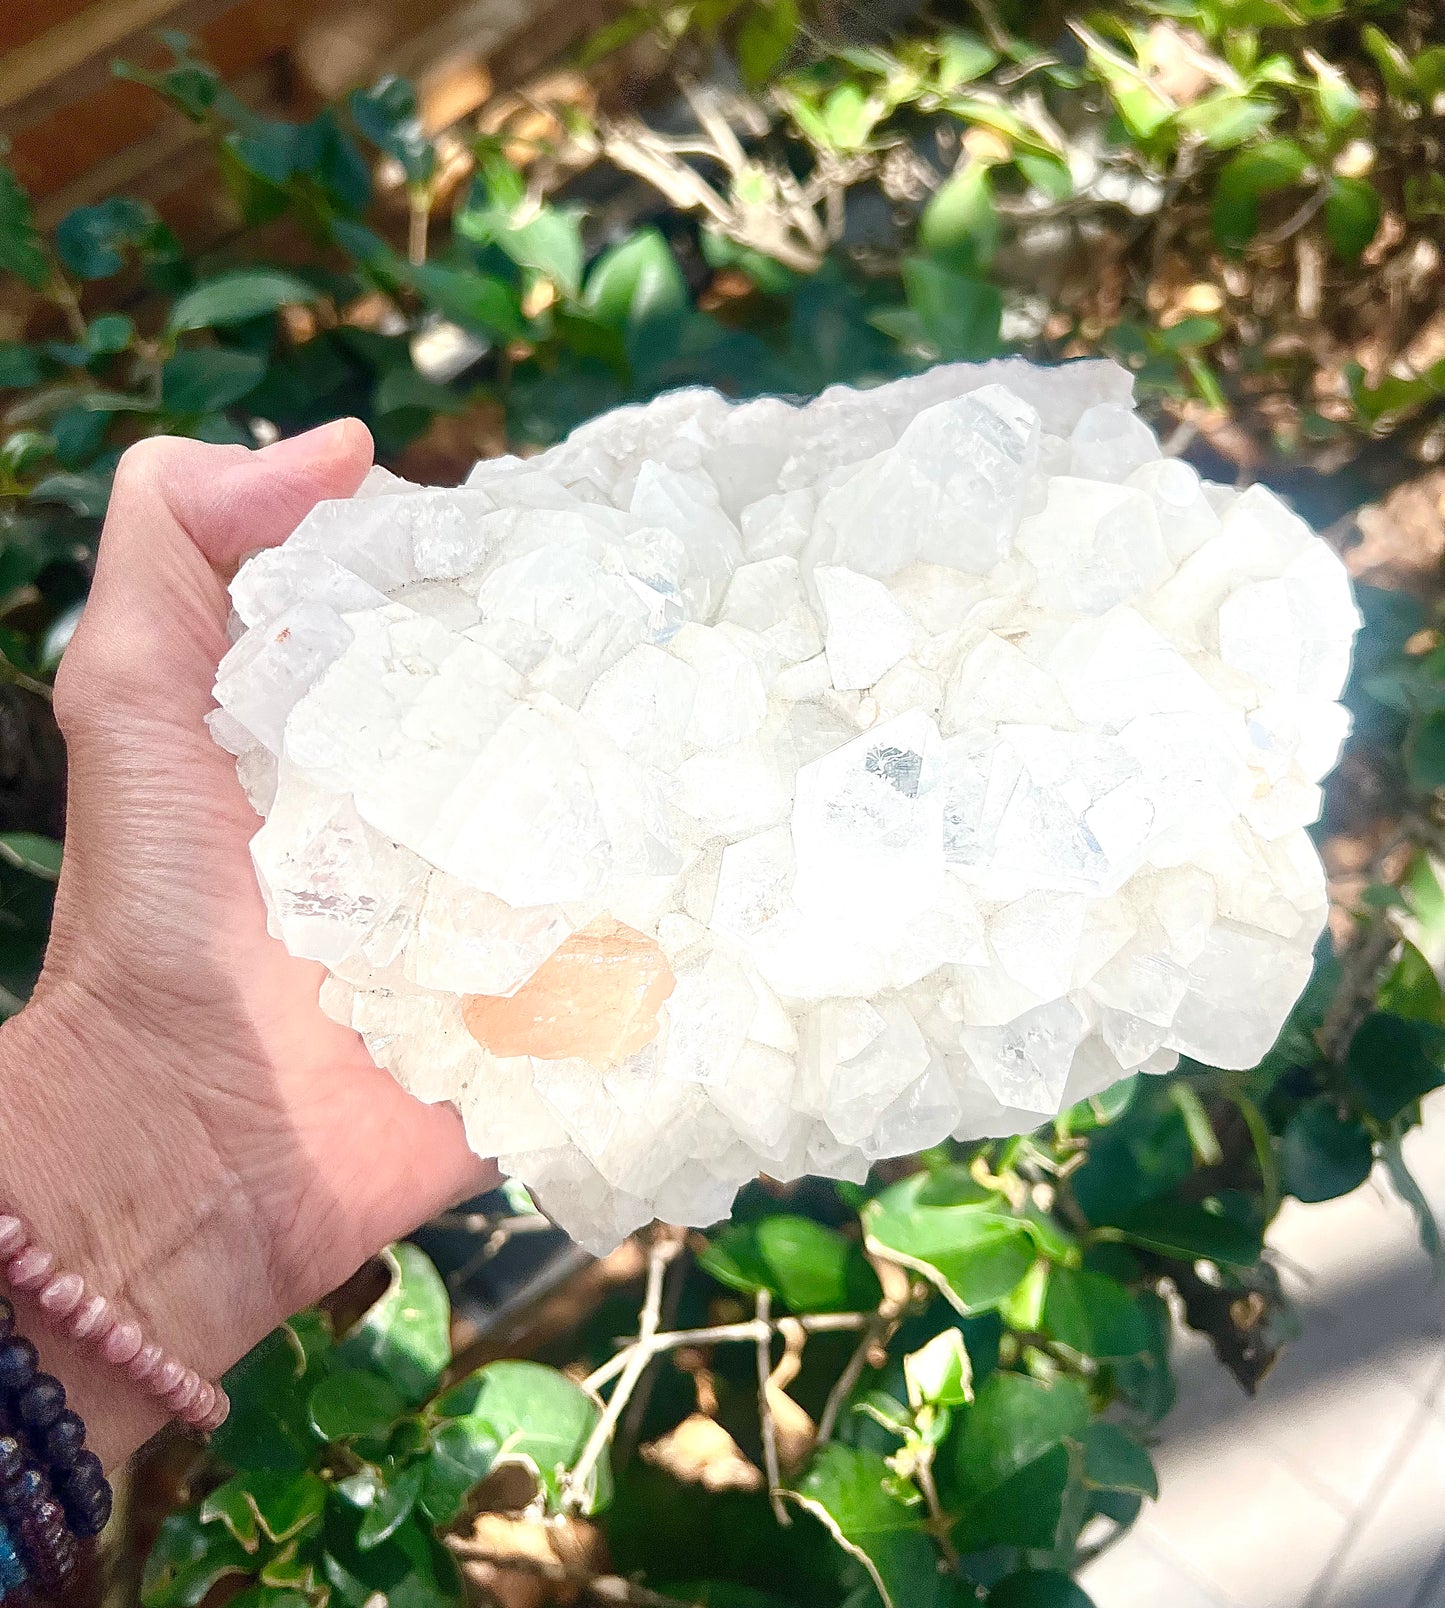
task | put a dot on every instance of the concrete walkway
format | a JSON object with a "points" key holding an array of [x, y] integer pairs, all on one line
{"points": [[1327, 1490]]}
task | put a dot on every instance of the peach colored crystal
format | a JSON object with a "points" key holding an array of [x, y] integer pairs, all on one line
{"points": [[595, 997]]}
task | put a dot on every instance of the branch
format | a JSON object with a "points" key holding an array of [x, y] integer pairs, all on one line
{"points": [[766, 1421], [574, 1490]]}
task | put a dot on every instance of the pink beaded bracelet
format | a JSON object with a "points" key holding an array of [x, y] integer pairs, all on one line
{"points": [[73, 1311]]}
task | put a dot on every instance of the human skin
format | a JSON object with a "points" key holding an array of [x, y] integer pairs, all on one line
{"points": [[181, 1123]]}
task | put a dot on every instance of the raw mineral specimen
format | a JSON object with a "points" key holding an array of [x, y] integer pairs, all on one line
{"points": [[776, 787]]}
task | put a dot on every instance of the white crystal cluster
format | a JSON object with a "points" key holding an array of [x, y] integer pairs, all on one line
{"points": [[953, 746]]}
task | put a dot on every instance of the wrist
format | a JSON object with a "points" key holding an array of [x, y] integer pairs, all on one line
{"points": [[111, 1164]]}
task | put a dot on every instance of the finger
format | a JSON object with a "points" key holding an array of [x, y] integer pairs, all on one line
{"points": [[181, 513], [231, 506]]}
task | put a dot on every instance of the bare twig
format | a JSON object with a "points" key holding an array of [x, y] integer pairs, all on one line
{"points": [[724, 1334], [574, 1493], [769, 1427], [844, 1384]]}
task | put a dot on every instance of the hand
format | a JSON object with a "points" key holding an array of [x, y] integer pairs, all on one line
{"points": [[183, 1125]]}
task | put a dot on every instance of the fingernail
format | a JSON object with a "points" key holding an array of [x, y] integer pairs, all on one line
{"points": [[325, 441]]}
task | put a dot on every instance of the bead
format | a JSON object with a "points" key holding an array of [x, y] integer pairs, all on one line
{"points": [[41, 1402], [64, 1440], [30, 1268], [18, 1362], [182, 1398], [166, 1377], [14, 1235], [144, 1364], [122, 1343], [85, 1469], [92, 1319], [201, 1408], [26, 1488], [12, 1458], [61, 1296], [88, 1517], [218, 1414]]}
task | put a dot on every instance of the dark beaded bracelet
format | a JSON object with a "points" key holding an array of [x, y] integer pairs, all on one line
{"points": [[35, 1519], [19, 1362]]}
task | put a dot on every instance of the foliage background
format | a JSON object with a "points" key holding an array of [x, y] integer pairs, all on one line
{"points": [[939, 1388]]}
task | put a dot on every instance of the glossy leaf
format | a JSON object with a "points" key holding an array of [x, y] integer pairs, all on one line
{"points": [[1412, 989], [970, 1251], [1257, 171], [765, 39], [811, 1268], [21, 251], [1392, 1062], [850, 1491], [233, 298], [1038, 1588], [392, 1506], [1322, 1154], [959, 225], [1190, 1231], [349, 1403], [1226, 119], [636, 283], [207, 379], [959, 315], [268, 1427], [406, 1335], [462, 1454], [1093, 1315], [1115, 1461], [939, 1374], [1353, 209], [40, 856], [92, 240], [188, 1558], [534, 1416]]}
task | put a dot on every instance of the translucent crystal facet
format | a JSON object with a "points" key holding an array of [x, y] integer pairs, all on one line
{"points": [[782, 786]]}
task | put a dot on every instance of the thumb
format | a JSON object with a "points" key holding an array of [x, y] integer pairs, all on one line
{"points": [[181, 515]]}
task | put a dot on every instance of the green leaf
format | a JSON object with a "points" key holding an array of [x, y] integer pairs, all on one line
{"points": [[959, 225], [1014, 1420], [1025, 1510], [30, 852], [20, 366], [1339, 100], [1115, 1461], [811, 1268], [962, 58], [636, 283], [850, 1491], [272, 1597], [462, 1455], [21, 252], [1093, 1315], [349, 1402], [109, 334], [387, 114], [1039, 1588], [269, 1386], [1392, 1062], [187, 1559], [960, 316], [1407, 1187], [480, 302], [1412, 989], [259, 1502], [1226, 119], [92, 240], [765, 40], [207, 379], [971, 1252], [939, 1374], [1352, 216], [849, 117], [1184, 1229], [1050, 174], [1250, 174], [234, 297], [1322, 1155], [391, 1507], [406, 1336], [1425, 753], [536, 1417]]}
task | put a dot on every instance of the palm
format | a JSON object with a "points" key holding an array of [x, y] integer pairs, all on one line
{"points": [[334, 1157]]}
